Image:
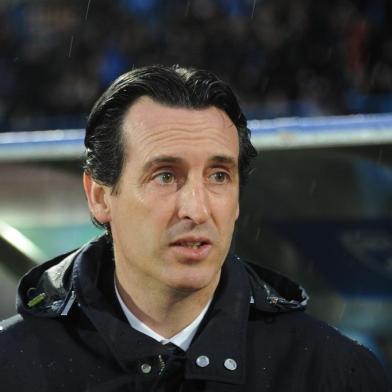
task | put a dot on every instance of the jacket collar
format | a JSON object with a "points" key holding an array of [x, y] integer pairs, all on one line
{"points": [[221, 335], [85, 277]]}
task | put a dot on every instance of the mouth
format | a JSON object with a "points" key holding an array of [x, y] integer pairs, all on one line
{"points": [[192, 248], [191, 243]]}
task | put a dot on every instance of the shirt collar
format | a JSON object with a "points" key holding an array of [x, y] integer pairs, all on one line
{"points": [[182, 339]]}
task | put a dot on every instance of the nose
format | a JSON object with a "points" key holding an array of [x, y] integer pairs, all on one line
{"points": [[193, 202]]}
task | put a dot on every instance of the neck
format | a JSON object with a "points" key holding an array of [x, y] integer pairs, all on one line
{"points": [[165, 310]]}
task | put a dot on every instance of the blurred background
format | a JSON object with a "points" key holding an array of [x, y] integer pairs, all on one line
{"points": [[314, 78]]}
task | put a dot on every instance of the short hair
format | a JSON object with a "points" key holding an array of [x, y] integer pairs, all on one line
{"points": [[171, 86]]}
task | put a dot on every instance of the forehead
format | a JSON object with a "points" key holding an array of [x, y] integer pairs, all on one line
{"points": [[151, 128]]}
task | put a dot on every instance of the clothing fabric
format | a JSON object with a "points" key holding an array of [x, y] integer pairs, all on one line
{"points": [[181, 339], [70, 334]]}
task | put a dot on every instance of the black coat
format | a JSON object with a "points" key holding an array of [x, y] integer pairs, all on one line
{"points": [[70, 335]]}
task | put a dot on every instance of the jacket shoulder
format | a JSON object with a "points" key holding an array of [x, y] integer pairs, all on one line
{"points": [[12, 331], [321, 353], [17, 351], [28, 347], [19, 335]]}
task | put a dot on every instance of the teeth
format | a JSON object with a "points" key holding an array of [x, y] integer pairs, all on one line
{"points": [[193, 245]]}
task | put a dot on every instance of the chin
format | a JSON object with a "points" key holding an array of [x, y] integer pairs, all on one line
{"points": [[194, 280]]}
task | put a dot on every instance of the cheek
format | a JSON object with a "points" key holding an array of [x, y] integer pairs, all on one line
{"points": [[234, 215], [228, 212], [153, 212]]}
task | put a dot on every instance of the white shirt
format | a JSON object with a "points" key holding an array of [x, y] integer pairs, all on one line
{"points": [[182, 339]]}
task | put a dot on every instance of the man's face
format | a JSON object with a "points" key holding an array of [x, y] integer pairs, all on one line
{"points": [[173, 215]]}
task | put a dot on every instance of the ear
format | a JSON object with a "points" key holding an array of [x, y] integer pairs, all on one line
{"points": [[237, 213], [97, 197]]}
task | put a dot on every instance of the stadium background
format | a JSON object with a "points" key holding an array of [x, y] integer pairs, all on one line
{"points": [[319, 207]]}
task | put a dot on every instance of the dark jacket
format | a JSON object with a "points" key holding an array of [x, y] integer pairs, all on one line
{"points": [[70, 335]]}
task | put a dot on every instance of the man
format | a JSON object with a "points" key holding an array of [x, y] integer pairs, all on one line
{"points": [[160, 303]]}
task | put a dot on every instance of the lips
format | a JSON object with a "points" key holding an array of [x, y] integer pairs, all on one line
{"points": [[191, 248], [191, 242]]}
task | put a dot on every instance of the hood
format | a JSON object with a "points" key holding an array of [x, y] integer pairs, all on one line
{"points": [[48, 290], [273, 292]]}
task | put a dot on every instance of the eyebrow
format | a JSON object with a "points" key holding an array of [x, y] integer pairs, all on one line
{"points": [[162, 160], [172, 160], [223, 160]]}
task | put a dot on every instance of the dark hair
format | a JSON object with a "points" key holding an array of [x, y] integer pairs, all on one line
{"points": [[171, 86]]}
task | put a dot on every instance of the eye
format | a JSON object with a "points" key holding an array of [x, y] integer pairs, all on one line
{"points": [[220, 177], [164, 178]]}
